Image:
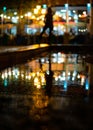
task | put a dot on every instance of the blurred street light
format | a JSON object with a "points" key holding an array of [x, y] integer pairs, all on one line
{"points": [[91, 18], [2, 20], [67, 16]]}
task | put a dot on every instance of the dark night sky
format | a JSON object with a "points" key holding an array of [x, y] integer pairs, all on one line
{"points": [[11, 3], [7, 3], [14, 3]]}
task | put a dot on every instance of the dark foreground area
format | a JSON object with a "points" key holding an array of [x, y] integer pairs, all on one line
{"points": [[20, 39], [37, 111]]}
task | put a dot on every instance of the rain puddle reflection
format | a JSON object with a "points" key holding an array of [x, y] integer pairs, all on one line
{"points": [[68, 71]]}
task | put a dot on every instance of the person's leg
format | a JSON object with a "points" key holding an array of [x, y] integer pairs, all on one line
{"points": [[44, 28], [50, 32]]}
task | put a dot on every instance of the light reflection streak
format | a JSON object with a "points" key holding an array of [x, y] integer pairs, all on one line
{"points": [[39, 105], [37, 78], [22, 48]]}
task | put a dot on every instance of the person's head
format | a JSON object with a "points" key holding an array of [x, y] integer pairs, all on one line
{"points": [[49, 10]]}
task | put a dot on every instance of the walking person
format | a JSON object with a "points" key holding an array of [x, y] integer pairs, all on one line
{"points": [[48, 22]]}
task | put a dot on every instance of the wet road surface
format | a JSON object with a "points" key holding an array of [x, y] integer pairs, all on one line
{"points": [[37, 111]]}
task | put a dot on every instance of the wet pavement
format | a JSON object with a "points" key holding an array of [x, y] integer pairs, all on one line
{"points": [[37, 111], [22, 106]]}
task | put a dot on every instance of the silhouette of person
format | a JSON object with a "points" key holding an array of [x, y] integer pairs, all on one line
{"points": [[48, 20], [49, 79]]}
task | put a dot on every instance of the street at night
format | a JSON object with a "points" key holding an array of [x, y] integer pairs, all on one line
{"points": [[36, 111], [46, 65]]}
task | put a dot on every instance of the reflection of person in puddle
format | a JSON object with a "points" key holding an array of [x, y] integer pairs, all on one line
{"points": [[49, 79], [48, 22]]}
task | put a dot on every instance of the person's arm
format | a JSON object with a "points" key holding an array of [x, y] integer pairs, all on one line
{"points": [[45, 19]]}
